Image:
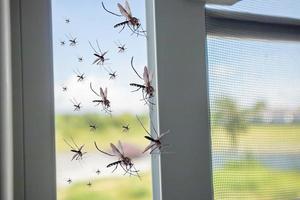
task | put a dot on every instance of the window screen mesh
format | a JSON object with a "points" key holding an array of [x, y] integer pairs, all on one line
{"points": [[254, 91]]}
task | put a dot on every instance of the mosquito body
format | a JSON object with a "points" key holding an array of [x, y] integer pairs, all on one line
{"points": [[76, 105], [73, 41], [89, 184], [132, 22], [67, 21], [104, 100], [125, 128], [147, 88], [100, 57], [64, 88], [112, 74], [80, 76], [155, 142], [121, 47], [78, 153], [62, 43], [123, 161], [98, 172], [80, 59], [93, 127], [69, 181]]}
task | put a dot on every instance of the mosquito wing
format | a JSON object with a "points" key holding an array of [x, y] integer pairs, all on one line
{"points": [[116, 150], [121, 147], [146, 75], [102, 93], [124, 12], [150, 146], [163, 134], [127, 7]]}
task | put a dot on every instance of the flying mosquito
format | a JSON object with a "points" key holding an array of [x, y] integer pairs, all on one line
{"points": [[73, 41], [147, 89], [89, 184], [132, 22], [121, 47], [77, 106], [93, 127], [155, 142], [125, 128], [62, 43], [69, 181], [104, 100], [80, 76], [80, 59], [123, 161], [112, 74], [78, 154], [98, 172], [100, 57]]}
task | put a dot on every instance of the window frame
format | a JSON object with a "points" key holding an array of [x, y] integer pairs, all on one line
{"points": [[27, 111]]}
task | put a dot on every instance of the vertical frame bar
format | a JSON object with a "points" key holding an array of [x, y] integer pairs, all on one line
{"points": [[177, 50]]}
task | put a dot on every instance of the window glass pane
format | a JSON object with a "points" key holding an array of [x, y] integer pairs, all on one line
{"points": [[255, 118], [285, 8], [75, 24]]}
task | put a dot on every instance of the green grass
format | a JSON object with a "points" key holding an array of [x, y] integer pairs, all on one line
{"points": [[248, 179], [122, 188], [109, 129]]}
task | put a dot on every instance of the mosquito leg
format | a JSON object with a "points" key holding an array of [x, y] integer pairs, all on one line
{"points": [[115, 168]]}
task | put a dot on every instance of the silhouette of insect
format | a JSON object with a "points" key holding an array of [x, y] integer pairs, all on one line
{"points": [[147, 89], [67, 20], [93, 127], [80, 76], [100, 57], [112, 74], [155, 142], [121, 47], [73, 41], [69, 181], [64, 88], [132, 22], [77, 106], [62, 43], [78, 154], [89, 184], [98, 172], [103, 101], [123, 161], [80, 59], [125, 128]]}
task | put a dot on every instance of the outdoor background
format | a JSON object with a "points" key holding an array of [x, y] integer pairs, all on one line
{"points": [[254, 102]]}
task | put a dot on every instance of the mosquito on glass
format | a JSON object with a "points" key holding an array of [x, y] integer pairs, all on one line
{"points": [[73, 41], [77, 106], [147, 88], [93, 127], [78, 153], [64, 88], [69, 181], [100, 57], [98, 172], [123, 161], [155, 142], [103, 101], [112, 74], [80, 59], [89, 184], [121, 47], [80, 76], [67, 20], [132, 22], [62, 43], [125, 128]]}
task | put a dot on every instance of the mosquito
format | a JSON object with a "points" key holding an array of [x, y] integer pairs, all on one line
{"points": [[121, 47], [100, 57], [64, 88], [98, 172], [123, 161], [93, 127], [89, 184], [80, 59], [73, 41], [62, 43], [78, 153], [112, 74], [80, 76], [132, 22], [155, 142], [147, 88], [69, 181], [67, 20], [77, 106], [125, 128], [104, 100]]}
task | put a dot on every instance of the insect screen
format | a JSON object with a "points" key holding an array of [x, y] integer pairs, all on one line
{"points": [[255, 106]]}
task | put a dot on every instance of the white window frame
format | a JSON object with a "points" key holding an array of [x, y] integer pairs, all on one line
{"points": [[177, 54]]}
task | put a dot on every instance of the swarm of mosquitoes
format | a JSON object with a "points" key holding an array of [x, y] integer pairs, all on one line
{"points": [[122, 161]]}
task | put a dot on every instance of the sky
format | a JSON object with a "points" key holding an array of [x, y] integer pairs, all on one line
{"points": [[246, 70]]}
